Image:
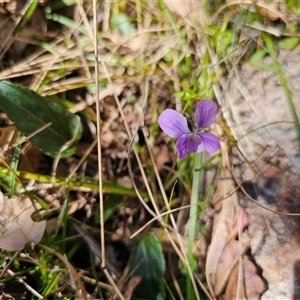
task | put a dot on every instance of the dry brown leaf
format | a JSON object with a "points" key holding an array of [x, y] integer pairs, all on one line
{"points": [[30, 159], [246, 284], [8, 136], [16, 225], [230, 273]]}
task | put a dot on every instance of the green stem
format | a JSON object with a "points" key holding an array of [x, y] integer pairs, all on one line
{"points": [[193, 221], [14, 166], [85, 182]]}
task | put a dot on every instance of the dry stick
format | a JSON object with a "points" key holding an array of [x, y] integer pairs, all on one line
{"points": [[93, 281], [98, 135], [27, 286], [101, 206], [72, 282], [121, 283], [177, 286], [158, 217], [8, 264], [198, 279]]}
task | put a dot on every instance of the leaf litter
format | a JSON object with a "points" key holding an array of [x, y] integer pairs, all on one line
{"points": [[17, 227], [267, 138]]}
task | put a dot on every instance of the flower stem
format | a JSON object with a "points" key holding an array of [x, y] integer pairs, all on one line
{"points": [[193, 221]]}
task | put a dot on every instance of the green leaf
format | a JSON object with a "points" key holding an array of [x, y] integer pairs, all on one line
{"points": [[27, 16], [148, 263], [122, 22], [258, 56], [30, 112], [288, 43], [256, 61]]}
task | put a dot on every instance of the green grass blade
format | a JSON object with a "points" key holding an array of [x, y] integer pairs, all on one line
{"points": [[83, 183]]}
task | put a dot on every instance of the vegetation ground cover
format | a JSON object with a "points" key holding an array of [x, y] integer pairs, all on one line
{"points": [[125, 218]]}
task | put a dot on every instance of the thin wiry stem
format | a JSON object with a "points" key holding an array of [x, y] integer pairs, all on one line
{"points": [[101, 206], [102, 239]]}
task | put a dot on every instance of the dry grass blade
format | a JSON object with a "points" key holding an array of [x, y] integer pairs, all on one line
{"points": [[27, 286]]}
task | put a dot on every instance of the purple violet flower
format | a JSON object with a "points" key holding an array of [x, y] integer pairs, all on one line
{"points": [[176, 126]]}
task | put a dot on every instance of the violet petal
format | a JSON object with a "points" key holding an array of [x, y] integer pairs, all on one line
{"points": [[200, 148], [193, 142], [181, 146], [188, 143], [173, 123], [210, 142], [205, 113]]}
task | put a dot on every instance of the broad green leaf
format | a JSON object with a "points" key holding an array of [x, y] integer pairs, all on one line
{"points": [[31, 112], [148, 263]]}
